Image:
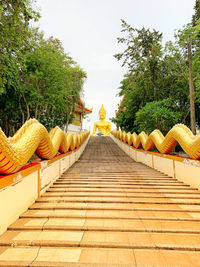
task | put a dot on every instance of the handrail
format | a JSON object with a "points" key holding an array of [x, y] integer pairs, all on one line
{"points": [[180, 134], [32, 137]]}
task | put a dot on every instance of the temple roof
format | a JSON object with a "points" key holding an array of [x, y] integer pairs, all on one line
{"points": [[79, 107]]}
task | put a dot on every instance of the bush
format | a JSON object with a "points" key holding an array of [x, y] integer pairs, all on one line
{"points": [[162, 115]]}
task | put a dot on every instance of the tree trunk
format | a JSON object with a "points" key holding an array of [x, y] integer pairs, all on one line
{"points": [[20, 108], [191, 86], [81, 126], [67, 124], [6, 126], [27, 108], [68, 118], [36, 109], [185, 116]]}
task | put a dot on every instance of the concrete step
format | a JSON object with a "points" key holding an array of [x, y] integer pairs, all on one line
{"points": [[111, 214], [138, 191], [170, 206], [119, 177], [115, 180], [172, 187], [123, 194], [102, 239], [106, 199], [90, 257], [106, 224], [160, 183]]}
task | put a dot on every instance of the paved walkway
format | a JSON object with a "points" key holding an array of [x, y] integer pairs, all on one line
{"points": [[108, 210]]}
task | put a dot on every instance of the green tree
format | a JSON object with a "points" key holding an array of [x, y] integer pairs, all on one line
{"points": [[162, 115], [142, 54], [76, 81], [155, 73], [187, 41], [51, 83], [37, 78], [15, 17], [196, 15]]}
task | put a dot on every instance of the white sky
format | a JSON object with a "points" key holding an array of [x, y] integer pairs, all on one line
{"points": [[89, 29]]}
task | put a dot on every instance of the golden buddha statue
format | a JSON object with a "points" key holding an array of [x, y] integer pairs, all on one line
{"points": [[104, 127]]}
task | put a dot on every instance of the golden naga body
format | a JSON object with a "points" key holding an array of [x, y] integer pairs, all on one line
{"points": [[33, 137], [104, 127], [178, 134]]}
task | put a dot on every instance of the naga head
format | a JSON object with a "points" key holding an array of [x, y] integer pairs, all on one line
{"points": [[102, 113]]}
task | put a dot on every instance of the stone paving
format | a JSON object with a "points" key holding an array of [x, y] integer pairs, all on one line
{"points": [[108, 210]]}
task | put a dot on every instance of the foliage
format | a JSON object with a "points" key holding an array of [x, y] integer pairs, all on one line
{"points": [[196, 15], [51, 83], [15, 17], [162, 115], [37, 78], [142, 55], [155, 73]]}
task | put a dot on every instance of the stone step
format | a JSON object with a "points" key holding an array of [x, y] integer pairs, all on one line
{"points": [[116, 180], [120, 225], [120, 177], [137, 171], [134, 202], [138, 191], [102, 171], [130, 200], [134, 172], [118, 183], [116, 195], [173, 187], [117, 176], [111, 214], [90, 257], [102, 239], [116, 207]]}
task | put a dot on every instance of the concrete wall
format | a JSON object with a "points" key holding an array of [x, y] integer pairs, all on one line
{"points": [[74, 128], [49, 173], [16, 198], [20, 190], [183, 169]]}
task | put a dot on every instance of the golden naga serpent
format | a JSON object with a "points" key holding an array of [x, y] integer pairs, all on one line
{"points": [[32, 137], [178, 134]]}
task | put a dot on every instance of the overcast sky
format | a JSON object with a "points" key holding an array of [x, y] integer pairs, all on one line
{"points": [[89, 29]]}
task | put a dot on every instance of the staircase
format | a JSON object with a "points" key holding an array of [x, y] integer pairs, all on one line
{"points": [[108, 210]]}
